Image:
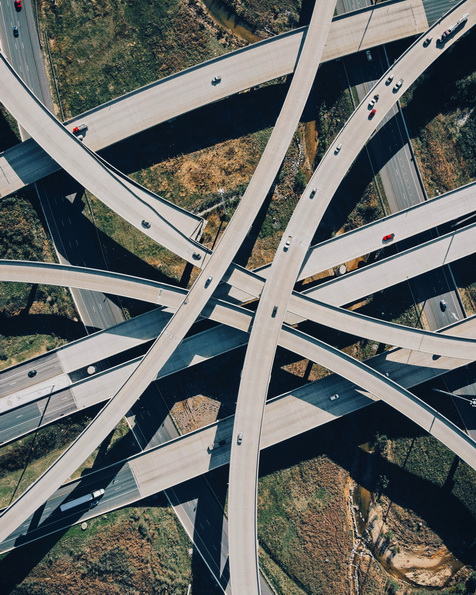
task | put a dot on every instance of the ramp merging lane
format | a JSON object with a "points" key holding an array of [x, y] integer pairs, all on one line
{"points": [[290, 257], [200, 293], [191, 89], [287, 415], [312, 305], [244, 461], [90, 171]]}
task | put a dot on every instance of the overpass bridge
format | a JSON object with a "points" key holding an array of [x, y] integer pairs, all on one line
{"points": [[287, 416], [371, 380], [22, 415], [190, 89]]}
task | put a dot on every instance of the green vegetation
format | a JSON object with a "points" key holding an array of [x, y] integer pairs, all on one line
{"points": [[440, 112], [263, 16], [113, 555], [103, 49], [297, 506], [33, 318]]}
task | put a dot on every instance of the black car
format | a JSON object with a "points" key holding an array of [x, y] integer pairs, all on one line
{"points": [[443, 305], [31, 373], [16, 33]]}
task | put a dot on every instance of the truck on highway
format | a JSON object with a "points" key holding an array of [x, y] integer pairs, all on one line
{"points": [[92, 497], [80, 131], [453, 28]]}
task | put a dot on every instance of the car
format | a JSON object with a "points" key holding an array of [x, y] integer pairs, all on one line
{"points": [[216, 79], [287, 244], [196, 256], [368, 53], [337, 149], [389, 79], [16, 33], [145, 224], [32, 373], [443, 305], [80, 128], [373, 101], [398, 85], [208, 281], [372, 113], [18, 5], [427, 42], [239, 440], [334, 397], [388, 237], [313, 193], [210, 447], [273, 313]]}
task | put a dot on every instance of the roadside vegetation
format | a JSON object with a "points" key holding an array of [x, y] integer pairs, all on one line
{"points": [[9, 133], [33, 318], [421, 500], [141, 549], [262, 17], [441, 116], [101, 50]]}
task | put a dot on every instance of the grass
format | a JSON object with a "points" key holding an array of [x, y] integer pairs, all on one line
{"points": [[34, 318], [297, 505], [9, 133], [443, 130], [264, 17], [102, 50], [140, 549]]}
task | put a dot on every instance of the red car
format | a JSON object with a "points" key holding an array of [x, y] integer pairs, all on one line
{"points": [[18, 5], [388, 237], [372, 113]]}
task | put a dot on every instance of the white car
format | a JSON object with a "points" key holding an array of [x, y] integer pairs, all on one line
{"points": [[373, 101], [398, 85], [334, 397]]}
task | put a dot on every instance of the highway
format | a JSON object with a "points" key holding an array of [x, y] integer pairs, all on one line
{"points": [[244, 461], [354, 286], [91, 172], [201, 291], [191, 89], [331, 253], [23, 414], [328, 355], [287, 416]]}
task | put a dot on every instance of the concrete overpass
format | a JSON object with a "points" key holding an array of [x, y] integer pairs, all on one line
{"points": [[303, 409], [92, 173], [363, 282], [256, 373], [201, 291], [188, 90]]}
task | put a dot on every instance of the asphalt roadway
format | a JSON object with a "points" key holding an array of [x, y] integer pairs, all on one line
{"points": [[199, 294], [257, 368], [306, 407]]}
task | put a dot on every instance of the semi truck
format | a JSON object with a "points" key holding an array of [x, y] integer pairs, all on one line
{"points": [[92, 497], [453, 28]]}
